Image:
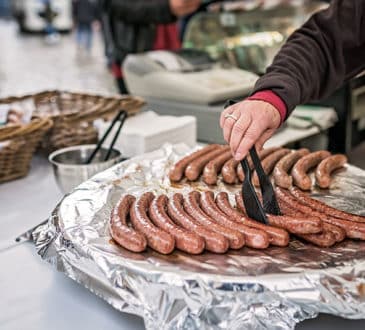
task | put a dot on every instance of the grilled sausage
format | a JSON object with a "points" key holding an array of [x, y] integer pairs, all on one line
{"points": [[213, 168], [263, 153], [277, 236], [214, 242], [326, 167], [177, 171], [338, 232], [324, 239], [268, 164], [192, 207], [322, 207], [157, 239], [195, 168], [184, 240], [299, 172], [229, 171], [355, 230], [124, 235], [254, 238], [284, 165], [294, 225]]}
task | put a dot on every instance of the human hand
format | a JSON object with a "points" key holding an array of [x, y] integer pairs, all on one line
{"points": [[256, 123], [184, 7]]}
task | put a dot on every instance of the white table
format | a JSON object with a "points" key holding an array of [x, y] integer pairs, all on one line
{"points": [[35, 296]]}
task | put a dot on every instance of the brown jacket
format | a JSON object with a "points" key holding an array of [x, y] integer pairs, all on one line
{"points": [[320, 56]]}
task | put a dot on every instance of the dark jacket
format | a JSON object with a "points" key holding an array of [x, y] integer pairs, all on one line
{"points": [[320, 56], [131, 24], [85, 11]]}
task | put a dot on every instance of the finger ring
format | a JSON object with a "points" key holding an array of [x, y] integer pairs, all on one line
{"points": [[231, 116]]}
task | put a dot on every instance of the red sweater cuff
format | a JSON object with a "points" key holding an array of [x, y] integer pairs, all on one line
{"points": [[272, 98]]}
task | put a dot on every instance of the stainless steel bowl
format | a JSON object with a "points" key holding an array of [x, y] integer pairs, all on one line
{"points": [[69, 168]]}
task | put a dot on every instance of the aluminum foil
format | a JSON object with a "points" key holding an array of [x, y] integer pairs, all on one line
{"points": [[246, 289]]}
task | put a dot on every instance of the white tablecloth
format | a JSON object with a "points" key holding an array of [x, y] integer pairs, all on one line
{"points": [[33, 295]]}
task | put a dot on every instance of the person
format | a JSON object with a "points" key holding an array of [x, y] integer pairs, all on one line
{"points": [[84, 14], [318, 58], [49, 14], [141, 25]]}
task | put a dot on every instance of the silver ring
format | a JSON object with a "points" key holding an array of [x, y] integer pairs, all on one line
{"points": [[231, 116]]}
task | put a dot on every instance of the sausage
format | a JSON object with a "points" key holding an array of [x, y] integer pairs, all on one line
{"points": [[184, 240], [324, 239], [322, 207], [355, 230], [213, 168], [194, 169], [299, 172], [192, 207], [229, 171], [124, 235], [263, 153], [326, 167], [157, 239], [254, 238], [177, 171], [294, 225], [277, 236], [268, 164], [214, 242], [338, 232], [284, 165]]}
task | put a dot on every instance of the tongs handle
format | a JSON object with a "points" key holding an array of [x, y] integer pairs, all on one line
{"points": [[121, 115], [252, 203], [269, 201]]}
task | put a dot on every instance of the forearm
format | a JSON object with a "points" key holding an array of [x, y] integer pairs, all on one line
{"points": [[320, 56], [142, 11]]}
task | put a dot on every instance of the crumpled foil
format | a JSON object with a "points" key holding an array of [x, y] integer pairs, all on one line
{"points": [[246, 289]]}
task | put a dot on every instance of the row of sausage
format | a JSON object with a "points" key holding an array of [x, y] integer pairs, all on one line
{"points": [[288, 167], [205, 221]]}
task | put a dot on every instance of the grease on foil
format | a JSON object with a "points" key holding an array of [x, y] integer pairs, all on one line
{"points": [[247, 289]]}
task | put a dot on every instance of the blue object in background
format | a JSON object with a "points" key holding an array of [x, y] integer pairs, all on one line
{"points": [[5, 10]]}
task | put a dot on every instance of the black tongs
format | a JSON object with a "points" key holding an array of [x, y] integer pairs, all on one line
{"points": [[121, 117], [251, 201]]}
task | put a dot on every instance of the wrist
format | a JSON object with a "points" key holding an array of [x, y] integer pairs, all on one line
{"points": [[273, 99]]}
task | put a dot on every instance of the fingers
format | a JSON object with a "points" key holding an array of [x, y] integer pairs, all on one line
{"points": [[223, 115], [256, 122], [251, 136], [238, 131], [229, 123]]}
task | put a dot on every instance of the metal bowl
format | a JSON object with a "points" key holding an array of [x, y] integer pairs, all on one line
{"points": [[69, 164]]}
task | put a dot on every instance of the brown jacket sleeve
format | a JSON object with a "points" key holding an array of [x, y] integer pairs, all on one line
{"points": [[326, 51]]}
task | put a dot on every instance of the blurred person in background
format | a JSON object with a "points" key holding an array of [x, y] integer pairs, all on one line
{"points": [[132, 26], [49, 14], [85, 14]]}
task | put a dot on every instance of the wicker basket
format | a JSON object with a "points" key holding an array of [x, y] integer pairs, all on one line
{"points": [[18, 143], [73, 114]]}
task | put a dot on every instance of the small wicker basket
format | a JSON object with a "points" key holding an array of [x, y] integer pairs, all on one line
{"points": [[17, 145], [73, 115]]}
